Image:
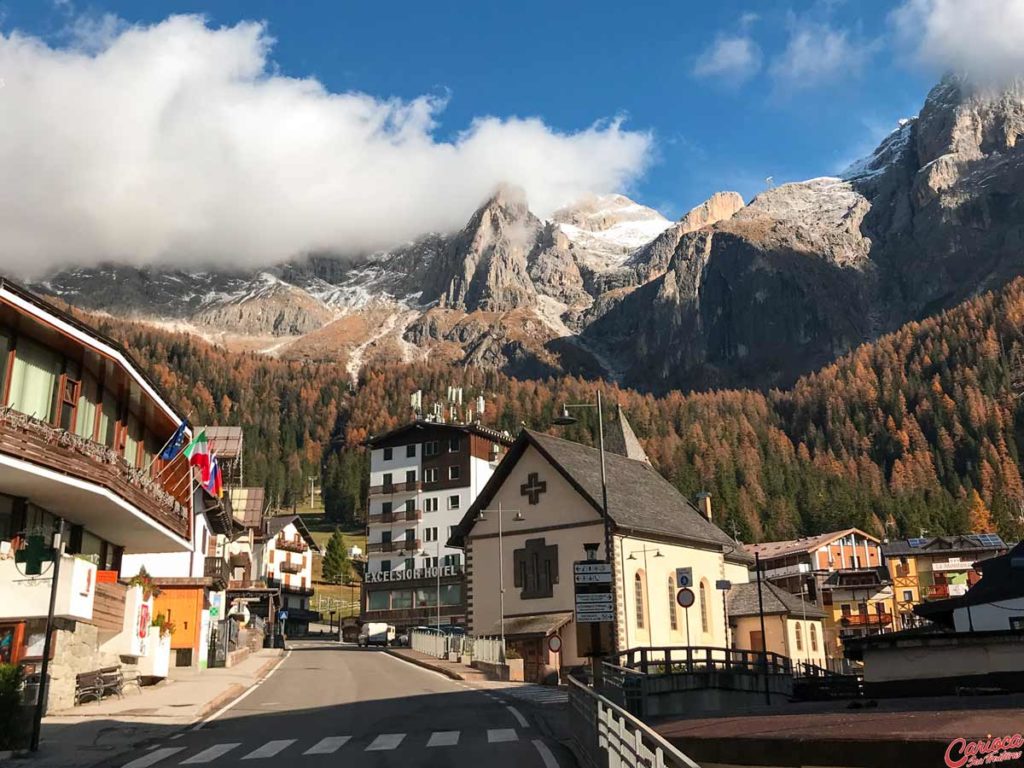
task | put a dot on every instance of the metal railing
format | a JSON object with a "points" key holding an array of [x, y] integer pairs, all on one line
{"points": [[431, 643], [441, 646], [603, 734], [669, 659], [489, 649]]}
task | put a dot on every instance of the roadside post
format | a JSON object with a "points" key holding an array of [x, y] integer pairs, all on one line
{"points": [[594, 609]]}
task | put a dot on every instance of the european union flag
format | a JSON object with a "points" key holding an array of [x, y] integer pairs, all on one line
{"points": [[175, 444]]}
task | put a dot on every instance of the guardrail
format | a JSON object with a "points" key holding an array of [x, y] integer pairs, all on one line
{"points": [[603, 734], [489, 649]]}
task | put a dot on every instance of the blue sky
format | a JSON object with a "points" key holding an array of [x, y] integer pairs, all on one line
{"points": [[572, 63]]}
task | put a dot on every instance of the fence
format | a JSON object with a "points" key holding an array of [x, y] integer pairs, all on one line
{"points": [[667, 659], [603, 734], [442, 646], [431, 643], [489, 649]]}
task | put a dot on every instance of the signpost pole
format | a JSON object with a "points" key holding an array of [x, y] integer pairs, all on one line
{"points": [[44, 672]]}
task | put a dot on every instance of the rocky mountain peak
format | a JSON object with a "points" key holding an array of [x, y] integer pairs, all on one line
{"points": [[721, 205]]}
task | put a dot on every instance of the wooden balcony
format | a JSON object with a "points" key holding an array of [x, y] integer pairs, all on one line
{"points": [[289, 567], [402, 515], [401, 545], [218, 571], [290, 545], [42, 444], [867, 620], [386, 490]]}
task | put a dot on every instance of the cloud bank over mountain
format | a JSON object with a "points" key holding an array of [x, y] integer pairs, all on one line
{"points": [[180, 141]]}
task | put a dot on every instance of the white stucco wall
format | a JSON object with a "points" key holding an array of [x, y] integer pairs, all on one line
{"points": [[991, 616]]}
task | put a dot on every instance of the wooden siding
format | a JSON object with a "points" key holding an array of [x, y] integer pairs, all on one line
{"points": [[108, 607]]}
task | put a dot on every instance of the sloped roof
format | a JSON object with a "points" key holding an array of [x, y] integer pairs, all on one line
{"points": [[945, 545], [419, 424], [539, 625], [621, 439], [248, 504], [274, 525], [639, 499], [226, 442], [742, 601], [771, 549]]}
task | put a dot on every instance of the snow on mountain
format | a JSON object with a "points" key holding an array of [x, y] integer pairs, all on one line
{"points": [[606, 229]]}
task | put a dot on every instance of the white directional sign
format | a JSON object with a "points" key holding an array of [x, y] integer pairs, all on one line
{"points": [[592, 567], [593, 578], [593, 592], [684, 577], [599, 598], [597, 616]]}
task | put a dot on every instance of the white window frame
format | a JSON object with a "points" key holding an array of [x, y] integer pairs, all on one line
{"points": [[458, 502]]}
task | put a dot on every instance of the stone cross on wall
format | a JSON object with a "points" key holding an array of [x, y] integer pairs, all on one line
{"points": [[535, 569], [533, 488]]}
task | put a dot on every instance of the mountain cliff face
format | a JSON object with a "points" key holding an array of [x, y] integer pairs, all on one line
{"points": [[731, 294]]}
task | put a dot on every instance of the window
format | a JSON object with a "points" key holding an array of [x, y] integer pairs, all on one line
{"points": [[410, 564], [846, 609], [430, 505], [430, 534], [430, 475], [673, 616], [704, 606], [34, 379], [451, 530], [70, 391], [385, 508], [454, 444], [108, 419], [410, 476], [388, 454], [431, 448], [638, 598], [410, 451], [387, 482], [814, 638], [799, 637], [5, 349], [385, 537], [430, 562], [377, 601], [908, 595], [385, 565], [453, 502], [879, 608], [455, 560], [451, 594], [453, 473], [401, 599], [132, 440], [410, 506]]}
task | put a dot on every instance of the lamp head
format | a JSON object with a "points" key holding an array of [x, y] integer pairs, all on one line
{"points": [[480, 516], [565, 419], [658, 554], [519, 517], [632, 556], [591, 550]]}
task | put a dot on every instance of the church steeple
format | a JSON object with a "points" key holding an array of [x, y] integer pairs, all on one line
{"points": [[621, 439]]}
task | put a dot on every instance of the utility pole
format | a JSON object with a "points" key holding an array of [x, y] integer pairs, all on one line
{"points": [[764, 640], [44, 672]]}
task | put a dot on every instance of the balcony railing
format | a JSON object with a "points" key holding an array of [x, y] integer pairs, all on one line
{"points": [[401, 545], [289, 567], [389, 488], [937, 592], [48, 446], [867, 620], [218, 570], [402, 515], [291, 588], [290, 545]]}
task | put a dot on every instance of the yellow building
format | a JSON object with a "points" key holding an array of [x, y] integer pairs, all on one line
{"points": [[927, 569], [531, 522], [857, 602], [792, 627]]}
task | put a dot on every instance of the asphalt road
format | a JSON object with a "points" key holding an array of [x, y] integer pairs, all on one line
{"points": [[330, 705]]}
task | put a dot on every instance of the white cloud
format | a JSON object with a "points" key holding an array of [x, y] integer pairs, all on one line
{"points": [[179, 142], [983, 39], [732, 59], [816, 54]]}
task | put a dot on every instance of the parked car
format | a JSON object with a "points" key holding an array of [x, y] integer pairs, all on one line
{"points": [[376, 633]]}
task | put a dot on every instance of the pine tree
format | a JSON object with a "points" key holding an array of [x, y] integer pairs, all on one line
{"points": [[335, 563], [978, 517]]}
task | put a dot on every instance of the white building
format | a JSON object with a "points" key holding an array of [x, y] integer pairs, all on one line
{"points": [[423, 477]]}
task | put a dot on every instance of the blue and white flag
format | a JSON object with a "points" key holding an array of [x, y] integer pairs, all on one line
{"points": [[175, 444]]}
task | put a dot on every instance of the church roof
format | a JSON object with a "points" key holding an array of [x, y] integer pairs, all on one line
{"points": [[639, 499], [621, 439]]}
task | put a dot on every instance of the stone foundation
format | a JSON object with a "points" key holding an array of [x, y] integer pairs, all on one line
{"points": [[76, 650]]}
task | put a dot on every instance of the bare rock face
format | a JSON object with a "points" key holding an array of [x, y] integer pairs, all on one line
{"points": [[718, 207]]}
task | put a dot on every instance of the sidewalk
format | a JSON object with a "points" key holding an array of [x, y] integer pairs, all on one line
{"points": [[98, 731], [452, 669]]}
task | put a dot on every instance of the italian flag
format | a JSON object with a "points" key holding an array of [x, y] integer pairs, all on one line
{"points": [[198, 454]]}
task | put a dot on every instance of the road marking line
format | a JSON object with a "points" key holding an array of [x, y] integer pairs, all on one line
{"points": [[497, 735], [443, 739], [545, 754], [269, 749], [327, 746], [212, 753], [244, 695], [385, 742], [518, 716], [153, 757]]}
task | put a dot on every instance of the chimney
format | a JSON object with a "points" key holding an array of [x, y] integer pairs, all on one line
{"points": [[704, 504]]}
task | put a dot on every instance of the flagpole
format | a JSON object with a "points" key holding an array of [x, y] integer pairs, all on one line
{"points": [[164, 448]]}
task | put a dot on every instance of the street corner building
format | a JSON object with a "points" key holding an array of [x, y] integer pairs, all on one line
{"points": [[530, 525], [424, 475], [81, 430]]}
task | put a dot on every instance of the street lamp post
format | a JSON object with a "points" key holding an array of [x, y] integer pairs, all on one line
{"points": [[647, 574], [501, 560], [564, 420]]}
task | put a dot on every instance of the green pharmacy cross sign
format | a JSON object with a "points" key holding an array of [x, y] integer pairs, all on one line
{"points": [[34, 554]]}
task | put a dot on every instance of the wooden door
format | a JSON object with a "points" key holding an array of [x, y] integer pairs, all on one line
{"points": [[182, 607], [756, 640]]}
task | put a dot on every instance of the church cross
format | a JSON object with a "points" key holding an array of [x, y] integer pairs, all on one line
{"points": [[533, 488], [34, 554]]}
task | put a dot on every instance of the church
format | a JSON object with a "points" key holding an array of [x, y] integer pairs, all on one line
{"points": [[531, 522]]}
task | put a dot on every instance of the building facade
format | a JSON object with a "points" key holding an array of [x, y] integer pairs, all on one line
{"points": [[287, 557], [532, 522], [927, 569], [792, 627], [80, 433], [423, 477]]}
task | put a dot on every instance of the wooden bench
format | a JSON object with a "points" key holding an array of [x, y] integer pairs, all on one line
{"points": [[98, 684]]}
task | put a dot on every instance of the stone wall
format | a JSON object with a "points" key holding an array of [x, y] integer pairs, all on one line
{"points": [[76, 650]]}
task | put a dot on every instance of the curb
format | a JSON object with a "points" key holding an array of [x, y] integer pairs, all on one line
{"points": [[237, 689], [425, 665]]}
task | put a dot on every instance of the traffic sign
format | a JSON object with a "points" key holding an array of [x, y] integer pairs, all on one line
{"points": [[593, 578], [594, 618], [723, 584], [586, 567], [684, 577], [594, 597], [685, 597], [554, 643]]}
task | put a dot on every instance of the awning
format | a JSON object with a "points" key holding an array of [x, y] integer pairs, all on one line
{"points": [[538, 625]]}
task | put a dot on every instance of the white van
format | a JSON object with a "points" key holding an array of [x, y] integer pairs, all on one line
{"points": [[376, 633]]}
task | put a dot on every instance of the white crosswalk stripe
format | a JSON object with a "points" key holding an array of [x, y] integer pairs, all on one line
{"points": [[327, 746], [385, 742], [212, 753], [153, 757], [537, 694], [497, 735], [443, 739], [269, 749]]}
